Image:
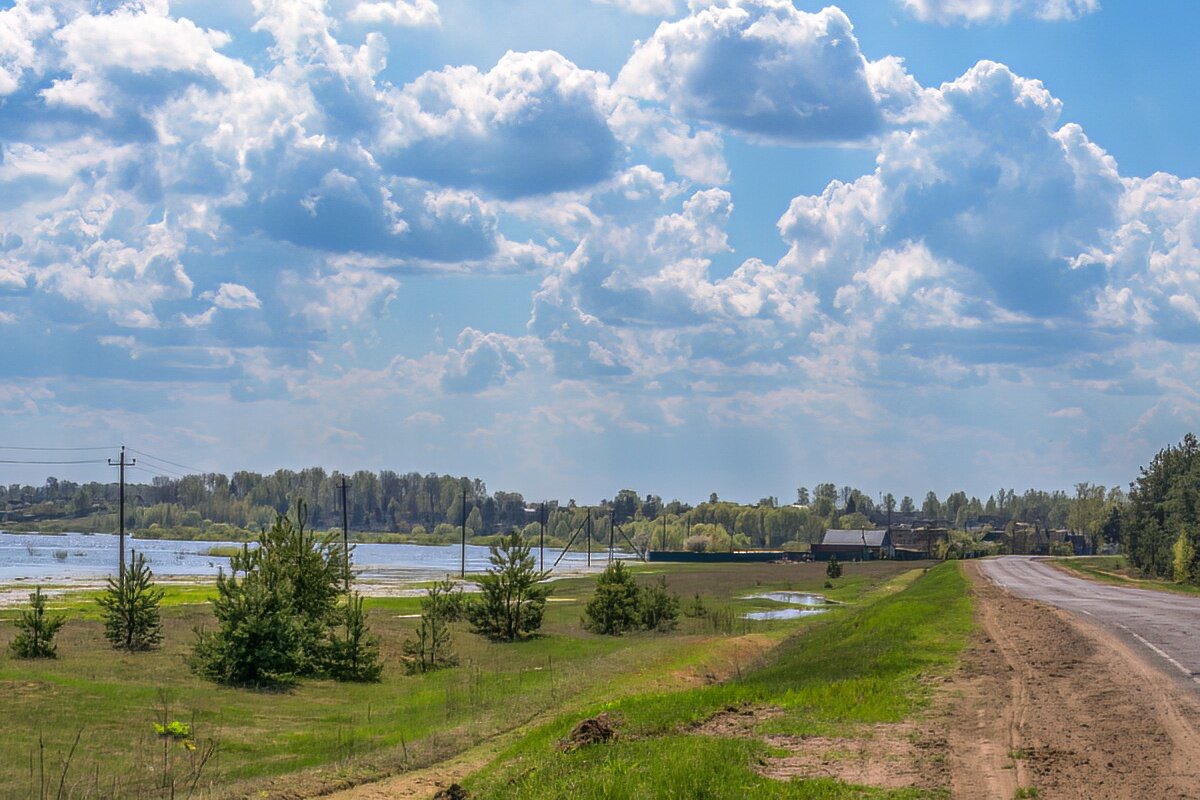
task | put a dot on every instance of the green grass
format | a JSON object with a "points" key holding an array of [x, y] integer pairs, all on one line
{"points": [[1117, 570], [862, 666], [352, 732]]}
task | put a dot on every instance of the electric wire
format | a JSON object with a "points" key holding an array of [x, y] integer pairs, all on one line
{"points": [[81, 461], [165, 461], [53, 449]]}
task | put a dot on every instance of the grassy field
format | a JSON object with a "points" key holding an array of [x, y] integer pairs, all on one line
{"points": [[1116, 570], [323, 734], [858, 668]]}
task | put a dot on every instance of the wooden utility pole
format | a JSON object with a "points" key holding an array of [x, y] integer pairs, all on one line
{"points": [[542, 539], [121, 463], [612, 533], [346, 534], [589, 536]]}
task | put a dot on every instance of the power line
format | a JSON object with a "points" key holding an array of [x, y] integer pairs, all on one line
{"points": [[85, 461], [166, 461], [55, 449], [157, 471]]}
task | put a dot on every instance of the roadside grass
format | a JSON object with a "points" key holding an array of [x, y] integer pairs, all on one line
{"points": [[860, 666], [338, 734], [1117, 570]]}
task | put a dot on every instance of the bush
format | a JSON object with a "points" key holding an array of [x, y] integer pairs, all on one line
{"points": [[431, 649], [37, 630], [513, 598], [276, 610], [696, 607], [619, 604], [834, 568], [129, 608]]}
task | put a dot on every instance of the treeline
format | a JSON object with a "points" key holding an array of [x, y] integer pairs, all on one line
{"points": [[1160, 527], [388, 505]]}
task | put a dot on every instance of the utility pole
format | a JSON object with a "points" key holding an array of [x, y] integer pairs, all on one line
{"points": [[463, 556], [122, 463], [589, 536], [346, 534], [612, 532]]}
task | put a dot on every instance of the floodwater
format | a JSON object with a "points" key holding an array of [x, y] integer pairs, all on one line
{"points": [[804, 605], [84, 556]]}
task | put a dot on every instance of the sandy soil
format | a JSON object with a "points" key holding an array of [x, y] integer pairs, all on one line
{"points": [[1047, 701]]}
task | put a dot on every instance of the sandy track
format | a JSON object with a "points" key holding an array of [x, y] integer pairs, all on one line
{"points": [[1049, 701]]}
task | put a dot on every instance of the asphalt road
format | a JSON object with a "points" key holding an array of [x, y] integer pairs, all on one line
{"points": [[1163, 626]]}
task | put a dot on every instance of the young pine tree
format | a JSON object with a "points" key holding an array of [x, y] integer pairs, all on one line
{"points": [[129, 608], [353, 651], [431, 648], [36, 629], [276, 609], [512, 598], [615, 606]]}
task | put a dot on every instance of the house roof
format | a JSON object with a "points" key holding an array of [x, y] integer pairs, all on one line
{"points": [[855, 538]]}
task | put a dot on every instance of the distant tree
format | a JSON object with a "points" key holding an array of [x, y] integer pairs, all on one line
{"points": [[512, 598], [129, 608], [802, 496], [932, 507], [712, 498], [625, 505], [834, 568], [907, 506], [36, 630]]}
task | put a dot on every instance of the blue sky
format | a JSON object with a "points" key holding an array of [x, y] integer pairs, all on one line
{"points": [[575, 246]]}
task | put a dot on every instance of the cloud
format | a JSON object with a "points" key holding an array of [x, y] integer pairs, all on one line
{"points": [[950, 12], [992, 186], [482, 361], [235, 296], [656, 8], [413, 14], [766, 69], [533, 124]]}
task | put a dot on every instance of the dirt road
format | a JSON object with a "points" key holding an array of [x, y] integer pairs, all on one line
{"points": [[1052, 701]]}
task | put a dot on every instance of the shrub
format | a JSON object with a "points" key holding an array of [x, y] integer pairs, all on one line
{"points": [[129, 608], [431, 649], [37, 630], [834, 568], [696, 607], [513, 598]]}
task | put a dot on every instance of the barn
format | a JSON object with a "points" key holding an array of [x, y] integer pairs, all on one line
{"points": [[858, 545]]}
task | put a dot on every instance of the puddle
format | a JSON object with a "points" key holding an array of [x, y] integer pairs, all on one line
{"points": [[791, 598], [804, 605], [785, 613]]}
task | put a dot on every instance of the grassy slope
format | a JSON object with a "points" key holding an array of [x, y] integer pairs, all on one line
{"points": [[864, 666], [355, 731], [1116, 570]]}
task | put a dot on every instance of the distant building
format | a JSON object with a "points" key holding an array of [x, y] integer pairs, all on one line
{"points": [[854, 545]]}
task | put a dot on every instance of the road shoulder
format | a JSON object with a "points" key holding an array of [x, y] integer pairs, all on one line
{"points": [[1044, 700]]}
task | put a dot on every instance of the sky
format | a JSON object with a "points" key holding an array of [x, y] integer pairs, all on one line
{"points": [[574, 246]]}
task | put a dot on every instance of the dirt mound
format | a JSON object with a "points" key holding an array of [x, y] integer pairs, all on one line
{"points": [[452, 792], [593, 730]]}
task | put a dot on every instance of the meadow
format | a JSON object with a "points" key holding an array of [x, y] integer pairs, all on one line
{"points": [[321, 735]]}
